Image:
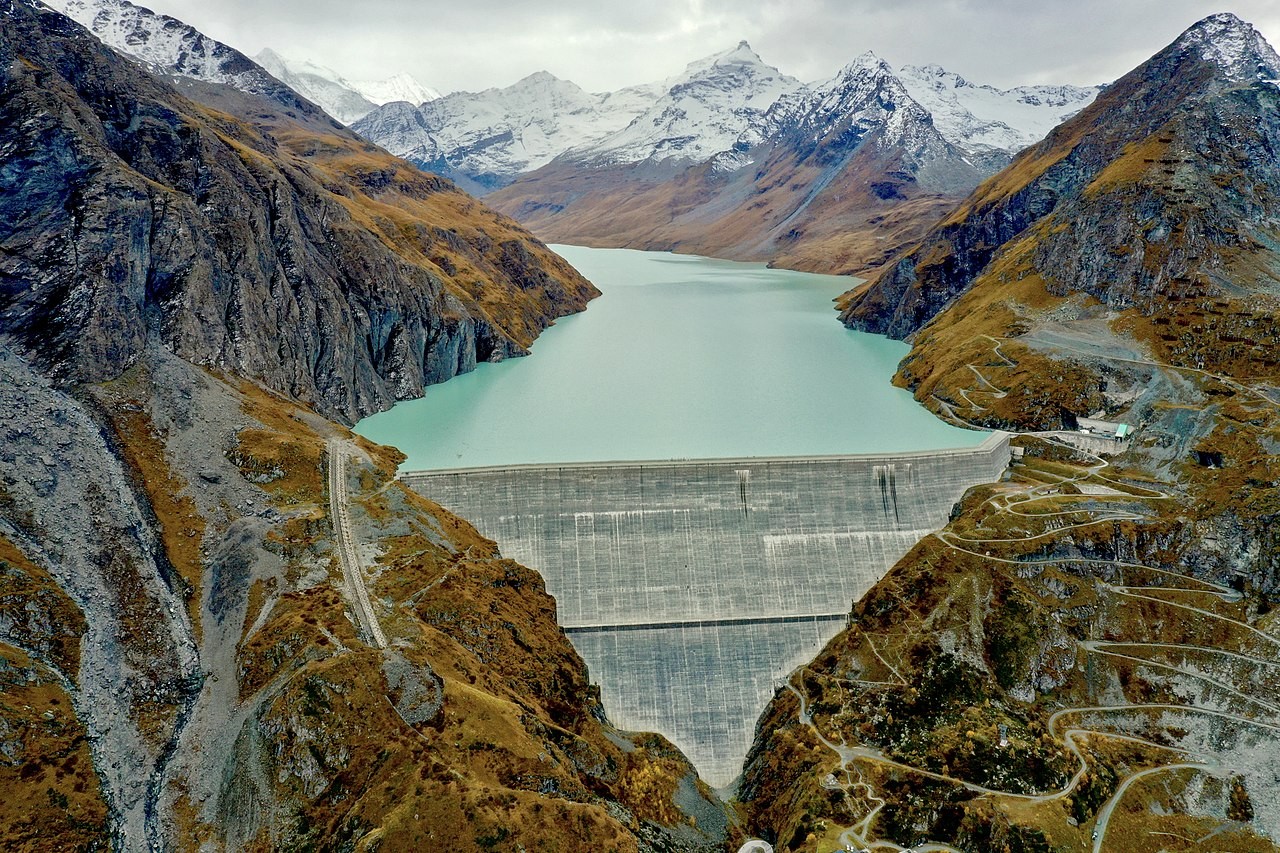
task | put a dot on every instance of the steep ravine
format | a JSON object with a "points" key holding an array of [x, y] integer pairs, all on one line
{"points": [[85, 523]]}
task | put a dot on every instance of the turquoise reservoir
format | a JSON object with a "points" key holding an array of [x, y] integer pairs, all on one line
{"points": [[682, 357]]}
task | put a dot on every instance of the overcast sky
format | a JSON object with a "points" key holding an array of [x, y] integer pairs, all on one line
{"points": [[604, 45]]}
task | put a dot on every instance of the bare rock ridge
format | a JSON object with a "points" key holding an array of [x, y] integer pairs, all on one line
{"points": [[285, 249], [1174, 114]]}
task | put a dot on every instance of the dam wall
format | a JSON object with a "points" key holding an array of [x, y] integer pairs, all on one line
{"points": [[691, 587]]}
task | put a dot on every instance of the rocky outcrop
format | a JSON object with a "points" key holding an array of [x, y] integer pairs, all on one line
{"points": [[1182, 123], [320, 265], [1084, 617]]}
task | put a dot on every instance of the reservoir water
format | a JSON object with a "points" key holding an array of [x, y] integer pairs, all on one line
{"points": [[682, 357]]}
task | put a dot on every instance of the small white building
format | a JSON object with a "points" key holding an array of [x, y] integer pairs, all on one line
{"points": [[1104, 429]]}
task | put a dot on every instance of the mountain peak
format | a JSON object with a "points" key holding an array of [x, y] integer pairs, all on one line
{"points": [[741, 54], [1233, 45], [868, 61]]}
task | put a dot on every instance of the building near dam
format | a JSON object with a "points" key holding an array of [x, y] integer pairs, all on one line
{"points": [[692, 588]]}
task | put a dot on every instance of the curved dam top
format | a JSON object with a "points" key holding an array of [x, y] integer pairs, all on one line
{"points": [[682, 357]]}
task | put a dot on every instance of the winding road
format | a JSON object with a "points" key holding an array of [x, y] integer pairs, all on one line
{"points": [[1262, 645]]}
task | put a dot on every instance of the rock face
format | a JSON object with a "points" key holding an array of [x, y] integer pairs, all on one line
{"points": [[290, 251], [1173, 138]]}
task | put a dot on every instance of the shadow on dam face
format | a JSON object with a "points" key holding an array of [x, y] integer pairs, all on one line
{"points": [[691, 589]]}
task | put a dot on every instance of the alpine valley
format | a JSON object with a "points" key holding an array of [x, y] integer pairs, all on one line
{"points": [[225, 624], [731, 158]]}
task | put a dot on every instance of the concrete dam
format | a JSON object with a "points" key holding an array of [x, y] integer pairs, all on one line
{"points": [[690, 588]]}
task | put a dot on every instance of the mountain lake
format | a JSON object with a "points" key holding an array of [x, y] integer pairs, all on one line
{"points": [[681, 357]]}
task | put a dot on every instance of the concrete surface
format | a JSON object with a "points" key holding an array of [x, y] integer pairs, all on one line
{"points": [[690, 588]]}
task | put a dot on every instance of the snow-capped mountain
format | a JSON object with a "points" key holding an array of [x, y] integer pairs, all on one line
{"points": [[397, 87], [867, 102], [167, 45], [982, 118], [346, 100], [485, 139], [702, 113], [1234, 46], [318, 84]]}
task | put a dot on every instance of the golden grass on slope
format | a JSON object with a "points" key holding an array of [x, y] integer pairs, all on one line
{"points": [[1129, 167], [28, 592], [286, 457], [431, 224], [1007, 297], [770, 215], [182, 528], [52, 796]]}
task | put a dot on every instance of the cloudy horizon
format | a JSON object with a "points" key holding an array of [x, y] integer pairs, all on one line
{"points": [[605, 46]]}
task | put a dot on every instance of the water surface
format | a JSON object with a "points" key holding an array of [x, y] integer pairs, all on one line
{"points": [[682, 357]]}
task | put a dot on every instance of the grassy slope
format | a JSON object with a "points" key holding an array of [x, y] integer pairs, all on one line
{"points": [[516, 753]]}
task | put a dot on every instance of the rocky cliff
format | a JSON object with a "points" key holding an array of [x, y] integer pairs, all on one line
{"points": [[1137, 145], [270, 243]]}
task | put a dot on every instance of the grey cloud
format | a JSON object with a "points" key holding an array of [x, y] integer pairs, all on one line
{"points": [[473, 44]]}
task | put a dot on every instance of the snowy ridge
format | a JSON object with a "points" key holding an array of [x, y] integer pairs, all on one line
{"points": [[398, 87], [495, 135], [346, 100], [1234, 46], [865, 104], [322, 86], [165, 44], [702, 113], [977, 117]]}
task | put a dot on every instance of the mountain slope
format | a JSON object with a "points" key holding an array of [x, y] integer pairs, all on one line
{"points": [[703, 112], [325, 88], [831, 178], [487, 139], [397, 87], [169, 46], [484, 139], [1086, 657], [984, 120], [236, 248], [179, 626], [345, 100], [1122, 141]]}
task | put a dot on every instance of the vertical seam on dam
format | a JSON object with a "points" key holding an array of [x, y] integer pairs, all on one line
{"points": [[691, 587]]}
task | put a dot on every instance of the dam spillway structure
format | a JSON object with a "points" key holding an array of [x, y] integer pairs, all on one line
{"points": [[691, 588]]}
